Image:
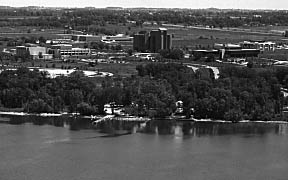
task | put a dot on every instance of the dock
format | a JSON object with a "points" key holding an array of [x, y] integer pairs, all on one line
{"points": [[121, 118], [105, 118]]}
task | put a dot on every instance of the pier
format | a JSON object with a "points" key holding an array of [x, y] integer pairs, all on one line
{"points": [[105, 118], [121, 118]]}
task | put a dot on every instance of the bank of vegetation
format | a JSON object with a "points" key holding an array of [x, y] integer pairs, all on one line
{"points": [[95, 20], [239, 93]]}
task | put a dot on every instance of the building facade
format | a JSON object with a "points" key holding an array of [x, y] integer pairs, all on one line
{"points": [[119, 38], [153, 42], [261, 45], [64, 50], [33, 52], [286, 33], [140, 42], [85, 38]]}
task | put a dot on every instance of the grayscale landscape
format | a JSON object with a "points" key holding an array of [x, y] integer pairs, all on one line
{"points": [[165, 90]]}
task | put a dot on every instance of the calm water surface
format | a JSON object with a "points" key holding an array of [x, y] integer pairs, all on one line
{"points": [[34, 148]]}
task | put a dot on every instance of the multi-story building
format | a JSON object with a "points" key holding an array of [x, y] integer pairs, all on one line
{"points": [[261, 45], [32, 51], [85, 38], [236, 51], [154, 41], [119, 38], [140, 42], [159, 39], [61, 50], [286, 33]]}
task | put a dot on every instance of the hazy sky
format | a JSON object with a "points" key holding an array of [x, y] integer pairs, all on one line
{"points": [[194, 4]]}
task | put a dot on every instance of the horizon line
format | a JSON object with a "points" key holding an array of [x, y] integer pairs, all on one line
{"points": [[119, 7]]}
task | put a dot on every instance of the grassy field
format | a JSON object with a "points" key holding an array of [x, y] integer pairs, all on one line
{"points": [[205, 37], [192, 37], [118, 69], [183, 37], [20, 31], [188, 37], [281, 55]]}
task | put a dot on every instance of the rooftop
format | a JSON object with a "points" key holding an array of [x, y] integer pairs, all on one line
{"points": [[162, 29]]}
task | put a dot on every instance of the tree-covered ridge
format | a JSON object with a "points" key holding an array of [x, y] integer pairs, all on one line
{"points": [[80, 18], [239, 93]]}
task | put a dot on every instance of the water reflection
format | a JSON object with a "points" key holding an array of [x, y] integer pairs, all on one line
{"points": [[178, 129]]}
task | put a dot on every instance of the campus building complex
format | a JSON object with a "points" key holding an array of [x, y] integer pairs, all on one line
{"points": [[153, 42], [66, 50], [85, 38], [32, 51], [261, 45]]}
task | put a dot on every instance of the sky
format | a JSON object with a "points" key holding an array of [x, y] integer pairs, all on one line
{"points": [[193, 4]]}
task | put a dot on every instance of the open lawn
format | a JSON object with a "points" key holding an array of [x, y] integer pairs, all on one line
{"points": [[278, 54], [191, 37], [20, 31], [118, 69], [182, 37]]}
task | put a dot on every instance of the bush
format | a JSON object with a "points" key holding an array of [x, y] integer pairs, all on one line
{"points": [[85, 109], [38, 106], [233, 115]]}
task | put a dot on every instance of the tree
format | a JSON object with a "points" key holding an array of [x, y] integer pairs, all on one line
{"points": [[210, 58], [38, 106], [176, 54], [233, 115], [118, 47], [85, 109]]}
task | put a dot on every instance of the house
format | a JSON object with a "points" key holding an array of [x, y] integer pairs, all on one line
{"points": [[113, 108]]}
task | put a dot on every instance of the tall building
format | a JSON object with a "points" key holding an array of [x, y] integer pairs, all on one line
{"points": [[286, 33], [140, 41], [154, 41]]}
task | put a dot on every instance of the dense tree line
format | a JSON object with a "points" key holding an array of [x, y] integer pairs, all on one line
{"points": [[239, 93], [87, 18]]}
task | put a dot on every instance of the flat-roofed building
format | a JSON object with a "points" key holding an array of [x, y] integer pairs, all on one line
{"points": [[85, 38], [67, 50], [237, 50], [238, 53], [31, 51], [119, 38], [205, 53], [62, 46], [59, 41], [75, 52], [262, 45]]}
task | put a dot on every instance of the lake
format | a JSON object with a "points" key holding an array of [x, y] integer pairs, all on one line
{"points": [[58, 148]]}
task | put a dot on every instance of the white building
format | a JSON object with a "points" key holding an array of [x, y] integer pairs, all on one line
{"points": [[68, 50], [262, 45], [33, 51], [75, 52], [119, 38], [85, 38]]}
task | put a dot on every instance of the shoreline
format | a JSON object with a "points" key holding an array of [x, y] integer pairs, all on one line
{"points": [[133, 118]]}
